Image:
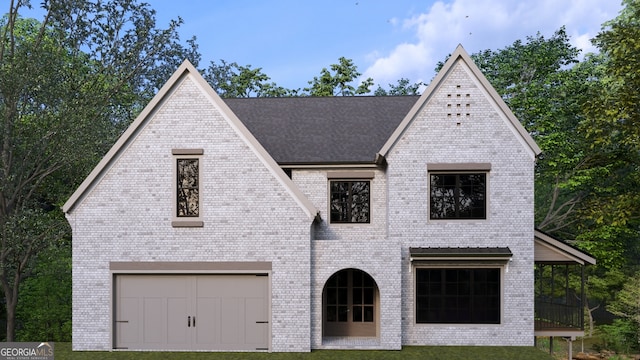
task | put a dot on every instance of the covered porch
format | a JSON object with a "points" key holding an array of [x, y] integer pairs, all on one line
{"points": [[559, 287]]}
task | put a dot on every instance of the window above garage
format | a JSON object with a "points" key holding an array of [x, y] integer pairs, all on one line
{"points": [[187, 188]]}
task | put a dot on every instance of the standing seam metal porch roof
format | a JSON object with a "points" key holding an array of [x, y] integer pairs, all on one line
{"points": [[323, 130]]}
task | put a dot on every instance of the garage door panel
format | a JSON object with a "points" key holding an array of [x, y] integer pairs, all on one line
{"points": [[256, 324], [127, 324], [230, 311], [232, 322], [154, 320], [177, 332], [208, 322]]}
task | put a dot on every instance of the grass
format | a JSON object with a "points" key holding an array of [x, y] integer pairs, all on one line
{"points": [[63, 351]]}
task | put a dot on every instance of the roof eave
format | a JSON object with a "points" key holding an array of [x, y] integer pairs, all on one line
{"points": [[329, 164], [561, 246]]}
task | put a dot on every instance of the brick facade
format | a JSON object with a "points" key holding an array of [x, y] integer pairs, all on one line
{"points": [[251, 215], [247, 215], [482, 136]]}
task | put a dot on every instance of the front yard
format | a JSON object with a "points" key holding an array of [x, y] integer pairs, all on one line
{"points": [[63, 351]]}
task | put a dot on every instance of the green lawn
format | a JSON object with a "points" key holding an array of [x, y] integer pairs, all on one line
{"points": [[63, 351]]}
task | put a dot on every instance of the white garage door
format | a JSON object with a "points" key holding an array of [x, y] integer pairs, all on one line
{"points": [[197, 312]]}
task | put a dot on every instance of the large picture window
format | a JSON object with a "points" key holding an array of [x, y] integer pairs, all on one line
{"points": [[457, 196], [188, 188], [350, 201], [458, 296]]}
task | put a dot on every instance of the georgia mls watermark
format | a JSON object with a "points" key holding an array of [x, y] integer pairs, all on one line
{"points": [[26, 351]]}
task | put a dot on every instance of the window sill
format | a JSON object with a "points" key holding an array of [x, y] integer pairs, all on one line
{"points": [[187, 223], [457, 220]]}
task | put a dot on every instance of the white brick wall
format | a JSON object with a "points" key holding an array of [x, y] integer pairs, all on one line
{"points": [[481, 137], [247, 214], [361, 246], [382, 248]]}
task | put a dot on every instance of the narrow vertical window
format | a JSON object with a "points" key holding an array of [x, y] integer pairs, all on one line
{"points": [[188, 188]]}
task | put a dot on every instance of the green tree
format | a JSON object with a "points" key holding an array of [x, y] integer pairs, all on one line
{"points": [[68, 86], [618, 107], [612, 127], [543, 86], [231, 80], [626, 305], [401, 88], [44, 310], [338, 81]]}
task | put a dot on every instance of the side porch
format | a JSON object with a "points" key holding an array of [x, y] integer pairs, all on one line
{"points": [[559, 288]]}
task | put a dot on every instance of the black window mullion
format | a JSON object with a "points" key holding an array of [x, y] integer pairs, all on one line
{"points": [[350, 201], [461, 295], [457, 196]]}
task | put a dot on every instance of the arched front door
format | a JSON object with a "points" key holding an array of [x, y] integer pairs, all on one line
{"points": [[350, 304]]}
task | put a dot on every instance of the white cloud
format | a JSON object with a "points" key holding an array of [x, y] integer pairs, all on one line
{"points": [[484, 24]]}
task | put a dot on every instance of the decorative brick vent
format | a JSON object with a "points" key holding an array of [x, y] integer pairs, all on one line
{"points": [[460, 107]]}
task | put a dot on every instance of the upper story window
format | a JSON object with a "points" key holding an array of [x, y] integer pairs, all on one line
{"points": [[187, 188], [350, 201], [458, 195]]}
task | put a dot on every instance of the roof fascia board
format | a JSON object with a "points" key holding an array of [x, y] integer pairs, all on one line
{"points": [[185, 69], [561, 247], [328, 166], [459, 55]]}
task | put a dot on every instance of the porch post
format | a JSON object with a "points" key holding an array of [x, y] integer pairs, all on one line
{"points": [[582, 297]]}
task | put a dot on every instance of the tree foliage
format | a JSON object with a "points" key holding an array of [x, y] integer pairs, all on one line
{"points": [[619, 106], [612, 129], [231, 80], [339, 81], [403, 87], [68, 85], [627, 305], [544, 86], [44, 309]]}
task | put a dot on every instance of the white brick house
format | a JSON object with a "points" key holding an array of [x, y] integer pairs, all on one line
{"points": [[291, 224]]}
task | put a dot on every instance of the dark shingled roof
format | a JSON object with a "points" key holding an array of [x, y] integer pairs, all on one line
{"points": [[322, 130], [441, 252]]}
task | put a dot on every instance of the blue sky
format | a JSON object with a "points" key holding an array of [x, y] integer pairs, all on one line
{"points": [[387, 39]]}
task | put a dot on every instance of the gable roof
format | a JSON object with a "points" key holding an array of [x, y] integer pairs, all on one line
{"points": [[461, 56], [323, 130], [551, 250], [188, 70]]}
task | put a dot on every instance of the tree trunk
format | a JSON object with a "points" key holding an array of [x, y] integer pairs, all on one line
{"points": [[11, 297], [590, 312]]}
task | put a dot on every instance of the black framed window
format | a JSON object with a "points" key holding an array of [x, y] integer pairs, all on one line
{"points": [[188, 188], [350, 201], [458, 296], [458, 196]]}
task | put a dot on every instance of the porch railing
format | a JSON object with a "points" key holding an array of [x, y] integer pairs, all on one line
{"points": [[549, 315]]}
